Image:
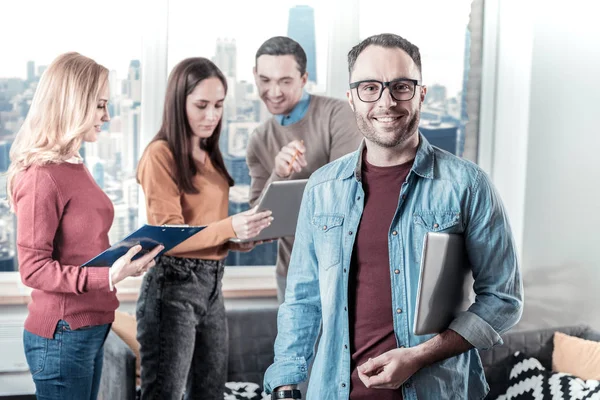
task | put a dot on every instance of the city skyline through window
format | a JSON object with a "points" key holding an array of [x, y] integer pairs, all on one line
{"points": [[230, 39]]}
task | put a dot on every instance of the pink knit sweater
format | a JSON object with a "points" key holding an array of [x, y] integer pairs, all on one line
{"points": [[63, 219]]}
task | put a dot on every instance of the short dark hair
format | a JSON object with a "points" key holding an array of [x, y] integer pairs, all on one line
{"points": [[387, 40], [283, 46]]}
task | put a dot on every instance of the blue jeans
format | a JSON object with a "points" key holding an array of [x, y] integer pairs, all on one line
{"points": [[69, 365]]}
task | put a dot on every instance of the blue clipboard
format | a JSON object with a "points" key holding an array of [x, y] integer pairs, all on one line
{"points": [[148, 236]]}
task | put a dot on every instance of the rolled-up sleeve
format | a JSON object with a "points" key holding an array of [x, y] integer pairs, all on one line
{"points": [[299, 317], [493, 256]]}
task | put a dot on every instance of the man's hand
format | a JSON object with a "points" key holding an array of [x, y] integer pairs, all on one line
{"points": [[389, 370], [290, 159]]}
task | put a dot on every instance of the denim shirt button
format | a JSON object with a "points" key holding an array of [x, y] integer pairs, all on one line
{"points": [[349, 232], [396, 271], [324, 227], [436, 225], [394, 233], [343, 385], [398, 311]]}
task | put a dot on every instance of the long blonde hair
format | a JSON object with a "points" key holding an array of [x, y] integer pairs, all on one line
{"points": [[61, 112]]}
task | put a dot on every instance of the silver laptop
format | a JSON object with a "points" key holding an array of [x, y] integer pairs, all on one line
{"points": [[445, 283], [283, 198]]}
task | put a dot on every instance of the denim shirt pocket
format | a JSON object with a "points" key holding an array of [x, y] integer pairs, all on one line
{"points": [[447, 221], [328, 238]]}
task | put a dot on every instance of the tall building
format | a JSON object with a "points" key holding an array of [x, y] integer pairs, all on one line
{"points": [[301, 28], [436, 93], [238, 135], [40, 70], [30, 71], [130, 124], [234, 142], [98, 174], [464, 117], [226, 57], [5, 155], [131, 193], [238, 169], [120, 227], [440, 134], [133, 84]]}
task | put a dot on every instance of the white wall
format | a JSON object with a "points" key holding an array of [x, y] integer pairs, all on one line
{"points": [[550, 178]]}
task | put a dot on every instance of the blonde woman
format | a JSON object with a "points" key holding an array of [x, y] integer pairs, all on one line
{"points": [[63, 219]]}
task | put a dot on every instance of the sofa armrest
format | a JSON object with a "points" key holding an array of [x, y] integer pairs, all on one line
{"points": [[535, 343], [252, 335], [118, 372]]}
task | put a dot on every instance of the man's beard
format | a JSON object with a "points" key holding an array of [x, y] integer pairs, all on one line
{"points": [[399, 137]]}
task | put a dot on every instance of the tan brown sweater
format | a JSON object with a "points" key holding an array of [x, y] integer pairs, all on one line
{"points": [[329, 131], [165, 204]]}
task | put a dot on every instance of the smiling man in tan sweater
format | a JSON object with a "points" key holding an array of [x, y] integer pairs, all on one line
{"points": [[305, 132]]}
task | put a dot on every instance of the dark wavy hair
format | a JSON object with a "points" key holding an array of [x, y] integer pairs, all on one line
{"points": [[175, 128]]}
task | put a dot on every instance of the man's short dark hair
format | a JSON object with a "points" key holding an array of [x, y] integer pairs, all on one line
{"points": [[387, 40], [283, 46]]}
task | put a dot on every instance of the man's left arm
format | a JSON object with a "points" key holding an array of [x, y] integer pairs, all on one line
{"points": [[493, 256], [498, 289], [344, 134]]}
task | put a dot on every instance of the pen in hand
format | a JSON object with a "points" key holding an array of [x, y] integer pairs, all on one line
{"points": [[296, 154]]}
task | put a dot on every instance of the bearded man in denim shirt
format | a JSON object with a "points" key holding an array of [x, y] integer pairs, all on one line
{"points": [[356, 260]]}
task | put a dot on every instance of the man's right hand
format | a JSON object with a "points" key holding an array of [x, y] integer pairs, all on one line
{"points": [[290, 158]]}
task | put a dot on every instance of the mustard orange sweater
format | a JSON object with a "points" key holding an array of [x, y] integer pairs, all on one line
{"points": [[166, 204]]}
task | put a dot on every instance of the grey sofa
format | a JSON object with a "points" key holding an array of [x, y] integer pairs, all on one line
{"points": [[537, 343], [252, 334]]}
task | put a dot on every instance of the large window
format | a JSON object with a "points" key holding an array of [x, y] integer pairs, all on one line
{"points": [[110, 34], [439, 29], [229, 32]]}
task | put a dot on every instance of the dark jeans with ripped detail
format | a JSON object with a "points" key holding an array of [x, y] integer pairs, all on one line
{"points": [[182, 330]]}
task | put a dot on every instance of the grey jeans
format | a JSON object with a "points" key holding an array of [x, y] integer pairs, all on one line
{"points": [[182, 330]]}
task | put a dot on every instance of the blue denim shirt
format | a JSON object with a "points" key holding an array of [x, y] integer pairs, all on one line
{"points": [[442, 193]]}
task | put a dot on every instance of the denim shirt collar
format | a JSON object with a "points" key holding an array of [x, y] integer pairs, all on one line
{"points": [[422, 166], [297, 113]]}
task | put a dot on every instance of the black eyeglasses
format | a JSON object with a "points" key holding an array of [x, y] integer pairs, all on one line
{"points": [[369, 91]]}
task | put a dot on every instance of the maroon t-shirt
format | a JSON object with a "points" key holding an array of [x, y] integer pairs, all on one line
{"points": [[369, 287]]}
